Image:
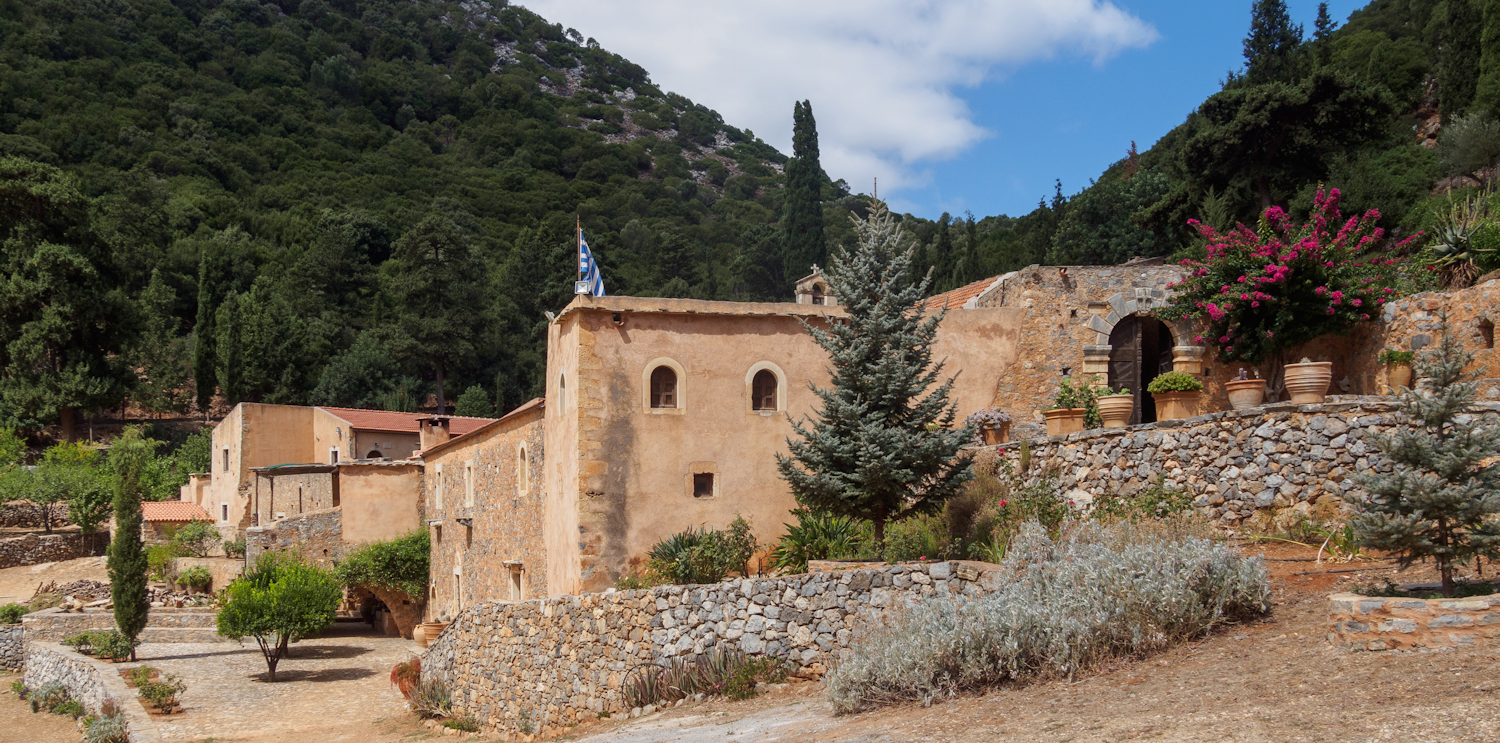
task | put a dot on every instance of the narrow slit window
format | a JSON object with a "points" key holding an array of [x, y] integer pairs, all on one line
{"points": [[523, 471], [763, 390], [226, 459], [1487, 333], [703, 485], [225, 506], [515, 583], [663, 387]]}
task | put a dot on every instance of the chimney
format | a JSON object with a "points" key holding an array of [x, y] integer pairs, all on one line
{"points": [[432, 431]]}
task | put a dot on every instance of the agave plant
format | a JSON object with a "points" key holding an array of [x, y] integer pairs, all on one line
{"points": [[816, 536], [1453, 249]]}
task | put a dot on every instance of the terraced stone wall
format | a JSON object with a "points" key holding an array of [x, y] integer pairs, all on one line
{"points": [[12, 648], [1375, 623], [1233, 463], [559, 661]]}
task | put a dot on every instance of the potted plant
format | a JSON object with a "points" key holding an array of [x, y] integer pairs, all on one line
{"points": [[1177, 394], [993, 425], [1397, 367], [1115, 406], [1308, 380], [1067, 416], [1246, 391]]}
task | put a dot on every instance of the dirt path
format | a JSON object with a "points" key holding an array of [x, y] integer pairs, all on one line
{"points": [[18, 723], [1274, 680], [18, 584]]}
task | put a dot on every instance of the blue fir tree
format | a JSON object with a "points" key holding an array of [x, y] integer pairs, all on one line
{"points": [[881, 446], [1441, 497]]}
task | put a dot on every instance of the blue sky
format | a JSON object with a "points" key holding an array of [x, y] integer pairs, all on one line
{"points": [[954, 104], [1070, 119]]}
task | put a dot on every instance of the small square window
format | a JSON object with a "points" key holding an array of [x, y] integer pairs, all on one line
{"points": [[703, 485]]}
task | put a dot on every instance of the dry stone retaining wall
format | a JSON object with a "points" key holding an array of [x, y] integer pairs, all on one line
{"points": [[162, 625], [562, 660], [1374, 623], [89, 681], [318, 535], [34, 549], [26, 514], [12, 649], [1233, 463]]}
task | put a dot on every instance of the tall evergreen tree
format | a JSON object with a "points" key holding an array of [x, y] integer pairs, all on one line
{"points": [[1441, 498], [1271, 47], [1322, 30], [205, 365], [802, 208], [1487, 87], [1458, 63], [943, 259], [881, 446], [129, 457]]}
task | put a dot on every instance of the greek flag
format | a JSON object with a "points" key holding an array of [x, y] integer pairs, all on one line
{"points": [[592, 282]]}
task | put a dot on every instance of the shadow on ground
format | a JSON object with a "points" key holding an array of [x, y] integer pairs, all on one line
{"points": [[324, 675]]}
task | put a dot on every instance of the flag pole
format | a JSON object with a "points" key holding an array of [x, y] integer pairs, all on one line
{"points": [[578, 249]]}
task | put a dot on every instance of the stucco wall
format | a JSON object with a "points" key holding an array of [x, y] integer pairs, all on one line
{"points": [[379, 501], [329, 432], [564, 412], [471, 564], [390, 445], [289, 494], [256, 435]]}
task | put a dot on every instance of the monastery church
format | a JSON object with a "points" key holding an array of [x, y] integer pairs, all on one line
{"points": [[664, 414]]}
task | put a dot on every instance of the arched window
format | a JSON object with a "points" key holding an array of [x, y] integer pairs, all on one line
{"points": [[763, 390], [663, 387], [562, 392], [817, 297], [523, 470], [373, 455]]}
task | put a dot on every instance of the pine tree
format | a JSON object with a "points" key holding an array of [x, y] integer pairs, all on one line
{"points": [[881, 446], [129, 457], [1487, 87], [802, 208], [1271, 47], [1458, 66], [1322, 29], [1440, 498]]}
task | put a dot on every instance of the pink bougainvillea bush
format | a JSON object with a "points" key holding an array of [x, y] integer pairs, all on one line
{"points": [[1261, 292]]}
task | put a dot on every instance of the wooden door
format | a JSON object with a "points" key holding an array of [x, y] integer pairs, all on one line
{"points": [[1140, 350]]}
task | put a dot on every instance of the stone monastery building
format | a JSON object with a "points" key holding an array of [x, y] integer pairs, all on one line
{"points": [[661, 414]]}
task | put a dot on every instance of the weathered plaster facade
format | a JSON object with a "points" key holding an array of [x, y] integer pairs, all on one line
{"points": [[485, 502]]}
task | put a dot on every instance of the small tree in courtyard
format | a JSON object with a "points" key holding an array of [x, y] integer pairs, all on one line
{"points": [[882, 446], [1441, 498], [129, 458], [396, 572], [279, 599]]}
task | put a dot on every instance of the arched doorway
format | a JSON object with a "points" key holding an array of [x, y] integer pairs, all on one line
{"points": [[1140, 350]]}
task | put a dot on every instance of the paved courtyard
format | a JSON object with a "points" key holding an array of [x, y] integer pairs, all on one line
{"points": [[331, 686]]}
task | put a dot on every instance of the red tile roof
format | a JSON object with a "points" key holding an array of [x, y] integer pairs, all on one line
{"points": [[534, 404], [956, 298], [173, 510], [394, 422]]}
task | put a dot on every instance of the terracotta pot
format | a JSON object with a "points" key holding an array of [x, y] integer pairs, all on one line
{"points": [[1399, 375], [1246, 393], [1308, 383], [1174, 405], [1116, 410], [996, 434], [433, 629], [1064, 420], [419, 635]]}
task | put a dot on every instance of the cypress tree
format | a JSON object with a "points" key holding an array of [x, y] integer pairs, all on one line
{"points": [[205, 365], [127, 566], [881, 447], [1271, 47], [1322, 29], [1458, 67], [1440, 498], [943, 260], [802, 209], [1487, 87]]}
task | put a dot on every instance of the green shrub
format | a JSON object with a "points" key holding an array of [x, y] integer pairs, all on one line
{"points": [[467, 724], [114, 645], [197, 576], [86, 642], [696, 557], [71, 708], [1174, 381], [917, 537], [818, 536], [196, 538], [1157, 501], [432, 700], [1393, 356], [159, 559], [141, 676], [107, 729], [399, 565], [235, 547], [49, 696], [162, 694], [725, 671], [12, 613]]}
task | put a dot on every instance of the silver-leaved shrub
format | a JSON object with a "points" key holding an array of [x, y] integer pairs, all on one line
{"points": [[1096, 592]]}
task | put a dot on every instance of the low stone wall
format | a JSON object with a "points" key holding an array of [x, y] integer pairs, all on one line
{"points": [[12, 648], [89, 681], [24, 513], [162, 625], [318, 535], [1233, 463], [223, 569], [563, 660], [1376, 623], [34, 549]]}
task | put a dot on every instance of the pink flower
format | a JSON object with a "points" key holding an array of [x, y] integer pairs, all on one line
{"points": [[1196, 339], [1223, 339], [1242, 279], [1330, 310], [1269, 334], [1255, 304], [1003, 504], [1364, 317], [1357, 302], [1320, 291]]}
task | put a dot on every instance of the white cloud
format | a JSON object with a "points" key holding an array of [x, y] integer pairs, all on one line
{"points": [[881, 74]]}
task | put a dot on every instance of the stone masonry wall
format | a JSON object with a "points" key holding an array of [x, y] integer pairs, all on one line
{"points": [[1375, 623], [292, 494], [89, 681], [162, 625], [318, 535], [34, 549], [24, 513], [1233, 463], [565, 659], [475, 562], [12, 647]]}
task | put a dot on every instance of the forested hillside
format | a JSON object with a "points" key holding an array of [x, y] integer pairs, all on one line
{"points": [[340, 202]]}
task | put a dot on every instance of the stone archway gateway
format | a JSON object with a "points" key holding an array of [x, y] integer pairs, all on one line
{"points": [[1131, 346]]}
